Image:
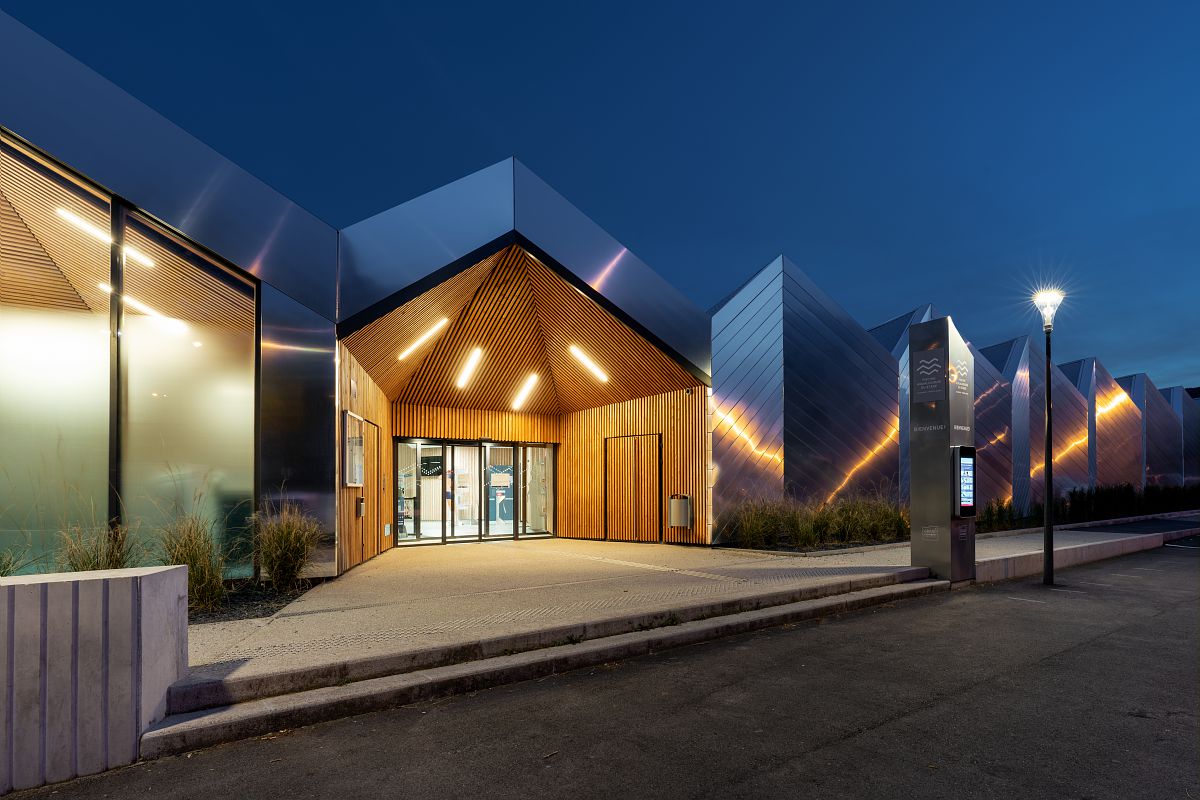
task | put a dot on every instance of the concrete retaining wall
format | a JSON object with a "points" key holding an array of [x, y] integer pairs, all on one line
{"points": [[86, 662], [1023, 565]]}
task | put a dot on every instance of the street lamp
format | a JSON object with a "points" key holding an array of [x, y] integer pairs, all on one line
{"points": [[1047, 302]]}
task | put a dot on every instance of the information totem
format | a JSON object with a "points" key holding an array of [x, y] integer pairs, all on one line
{"points": [[942, 450]]}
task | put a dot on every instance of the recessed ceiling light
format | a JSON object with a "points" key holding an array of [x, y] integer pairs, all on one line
{"points": [[587, 362], [424, 337], [523, 394], [464, 376]]}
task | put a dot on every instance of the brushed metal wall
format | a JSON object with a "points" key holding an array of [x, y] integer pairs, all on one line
{"points": [[1187, 409], [796, 370], [1162, 436], [1114, 425]]}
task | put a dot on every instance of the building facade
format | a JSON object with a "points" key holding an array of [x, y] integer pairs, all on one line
{"points": [[481, 362], [804, 399]]}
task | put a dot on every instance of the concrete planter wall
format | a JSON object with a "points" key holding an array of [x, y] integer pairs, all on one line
{"points": [[87, 660]]}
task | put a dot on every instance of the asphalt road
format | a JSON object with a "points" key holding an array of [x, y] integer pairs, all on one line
{"points": [[1009, 691]]}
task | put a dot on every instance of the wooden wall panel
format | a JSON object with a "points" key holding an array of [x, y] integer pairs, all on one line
{"points": [[356, 541], [679, 417], [470, 423]]}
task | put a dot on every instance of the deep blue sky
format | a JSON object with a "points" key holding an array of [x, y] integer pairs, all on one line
{"points": [[900, 153]]}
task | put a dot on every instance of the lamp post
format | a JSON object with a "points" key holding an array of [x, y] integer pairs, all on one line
{"points": [[1047, 302]]}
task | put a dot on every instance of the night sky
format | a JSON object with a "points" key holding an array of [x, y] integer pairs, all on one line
{"points": [[900, 153]]}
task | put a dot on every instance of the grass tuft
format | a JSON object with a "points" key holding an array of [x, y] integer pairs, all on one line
{"points": [[285, 537], [191, 540], [785, 522], [97, 546]]}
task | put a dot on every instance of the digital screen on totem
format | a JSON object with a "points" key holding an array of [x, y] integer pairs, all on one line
{"points": [[965, 460]]}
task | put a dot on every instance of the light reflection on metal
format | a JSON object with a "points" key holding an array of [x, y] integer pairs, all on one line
{"points": [[1063, 453], [609, 267], [865, 460], [132, 253], [744, 436], [267, 345], [1113, 403]]}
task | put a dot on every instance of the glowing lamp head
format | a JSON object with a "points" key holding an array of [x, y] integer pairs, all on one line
{"points": [[1047, 302]]}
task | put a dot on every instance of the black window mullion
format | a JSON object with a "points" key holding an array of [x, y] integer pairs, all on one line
{"points": [[116, 394]]}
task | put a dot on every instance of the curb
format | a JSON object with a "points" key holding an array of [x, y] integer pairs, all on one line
{"points": [[200, 692], [1022, 565], [257, 717]]}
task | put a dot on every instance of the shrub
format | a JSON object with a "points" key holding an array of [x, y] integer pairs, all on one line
{"points": [[13, 561], [190, 540], [97, 546], [284, 539], [783, 521]]}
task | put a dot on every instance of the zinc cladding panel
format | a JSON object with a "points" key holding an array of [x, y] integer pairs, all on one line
{"points": [[747, 343], [840, 399], [1164, 440], [1012, 359], [993, 432], [1188, 410], [1069, 436], [1118, 427]]}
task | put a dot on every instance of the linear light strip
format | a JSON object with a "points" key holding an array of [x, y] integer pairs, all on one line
{"points": [[170, 323], [423, 338], [132, 253], [464, 376], [523, 394], [587, 362]]}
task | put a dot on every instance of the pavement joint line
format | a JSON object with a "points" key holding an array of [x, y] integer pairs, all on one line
{"points": [[1072, 591], [1093, 583], [1025, 599], [1123, 575], [1149, 569], [1182, 546]]}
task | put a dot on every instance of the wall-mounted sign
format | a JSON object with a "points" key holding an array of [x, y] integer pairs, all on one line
{"points": [[927, 375], [352, 458]]}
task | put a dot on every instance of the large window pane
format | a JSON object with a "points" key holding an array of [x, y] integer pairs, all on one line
{"points": [[538, 503], [187, 364], [54, 362]]}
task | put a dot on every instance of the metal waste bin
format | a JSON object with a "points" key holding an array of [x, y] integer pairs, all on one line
{"points": [[679, 511]]}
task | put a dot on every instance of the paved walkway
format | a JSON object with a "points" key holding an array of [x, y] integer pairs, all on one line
{"points": [[428, 596], [420, 597]]}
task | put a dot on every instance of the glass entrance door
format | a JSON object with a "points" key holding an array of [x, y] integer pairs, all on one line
{"points": [[464, 492], [501, 492], [452, 492]]}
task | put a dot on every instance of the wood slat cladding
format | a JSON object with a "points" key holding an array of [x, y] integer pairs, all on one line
{"points": [[359, 394], [524, 318], [633, 490], [635, 367], [81, 257], [500, 321], [183, 284], [682, 421], [378, 346], [470, 423], [28, 276]]}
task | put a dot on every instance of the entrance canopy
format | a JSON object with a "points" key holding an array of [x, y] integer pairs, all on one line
{"points": [[514, 317], [391, 258]]}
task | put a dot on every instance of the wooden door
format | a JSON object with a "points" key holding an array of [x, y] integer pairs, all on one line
{"points": [[633, 488]]}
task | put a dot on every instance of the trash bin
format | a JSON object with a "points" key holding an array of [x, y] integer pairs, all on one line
{"points": [[679, 511]]}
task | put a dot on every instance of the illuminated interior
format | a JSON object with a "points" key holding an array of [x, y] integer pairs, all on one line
{"points": [[186, 349]]}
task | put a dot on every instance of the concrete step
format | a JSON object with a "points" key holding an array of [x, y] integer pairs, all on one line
{"points": [[199, 691], [1022, 565], [183, 732]]}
